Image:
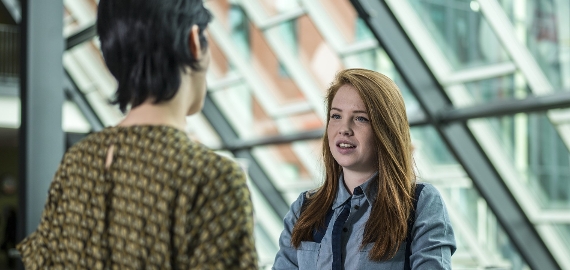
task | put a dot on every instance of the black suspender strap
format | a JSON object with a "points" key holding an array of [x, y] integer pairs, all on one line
{"points": [[319, 233], [411, 221]]}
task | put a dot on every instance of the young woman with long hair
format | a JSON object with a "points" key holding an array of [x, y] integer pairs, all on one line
{"points": [[369, 213]]}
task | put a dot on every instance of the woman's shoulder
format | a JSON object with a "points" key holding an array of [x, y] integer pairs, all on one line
{"points": [[430, 200], [202, 157], [428, 190], [297, 204], [86, 145], [432, 225]]}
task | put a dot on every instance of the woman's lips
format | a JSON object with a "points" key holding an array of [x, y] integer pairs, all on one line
{"points": [[345, 147]]}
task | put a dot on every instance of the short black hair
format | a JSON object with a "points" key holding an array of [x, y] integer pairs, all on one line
{"points": [[145, 45]]}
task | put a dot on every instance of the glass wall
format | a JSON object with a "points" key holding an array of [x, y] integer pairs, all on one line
{"points": [[461, 31], [544, 28], [272, 62]]}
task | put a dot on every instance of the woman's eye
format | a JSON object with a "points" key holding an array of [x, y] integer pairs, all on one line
{"points": [[361, 119], [335, 116]]}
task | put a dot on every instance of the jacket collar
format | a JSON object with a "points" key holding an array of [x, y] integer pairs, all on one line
{"points": [[368, 189]]}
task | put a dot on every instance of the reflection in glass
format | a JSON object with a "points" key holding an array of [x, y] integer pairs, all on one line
{"points": [[362, 31], [292, 168], [544, 27], [289, 35], [461, 32], [199, 129], [489, 234], [564, 230], [549, 162], [239, 29], [346, 20], [250, 120], [499, 88], [313, 52], [276, 7], [86, 67], [77, 15], [428, 141], [538, 153], [219, 64], [235, 102]]}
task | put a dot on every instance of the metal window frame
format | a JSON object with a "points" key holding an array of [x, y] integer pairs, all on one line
{"points": [[456, 135], [41, 137], [306, 83], [524, 60], [479, 73], [307, 86], [228, 135], [258, 88]]}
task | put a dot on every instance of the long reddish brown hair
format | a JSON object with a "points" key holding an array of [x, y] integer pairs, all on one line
{"points": [[387, 225]]}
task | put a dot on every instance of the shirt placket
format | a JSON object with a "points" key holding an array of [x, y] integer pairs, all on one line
{"points": [[341, 229]]}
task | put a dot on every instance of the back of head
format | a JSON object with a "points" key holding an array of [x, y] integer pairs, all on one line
{"points": [[145, 45]]}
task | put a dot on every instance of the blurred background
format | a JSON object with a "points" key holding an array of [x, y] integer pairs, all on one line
{"points": [[486, 85]]}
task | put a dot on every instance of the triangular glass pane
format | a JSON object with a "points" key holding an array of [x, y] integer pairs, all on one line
{"points": [[544, 27], [461, 32]]}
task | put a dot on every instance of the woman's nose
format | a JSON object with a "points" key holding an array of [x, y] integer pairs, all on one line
{"points": [[345, 130]]}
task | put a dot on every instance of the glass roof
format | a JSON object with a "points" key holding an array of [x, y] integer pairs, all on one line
{"points": [[544, 27], [459, 29], [273, 60]]}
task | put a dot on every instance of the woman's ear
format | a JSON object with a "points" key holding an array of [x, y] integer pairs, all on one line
{"points": [[194, 42]]}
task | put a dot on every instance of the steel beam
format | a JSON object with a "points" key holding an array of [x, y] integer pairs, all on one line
{"points": [[41, 80], [75, 95], [236, 145], [274, 140], [479, 73], [257, 175], [456, 135], [531, 104], [78, 38]]}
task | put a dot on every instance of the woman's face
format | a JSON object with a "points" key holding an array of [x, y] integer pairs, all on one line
{"points": [[350, 135]]}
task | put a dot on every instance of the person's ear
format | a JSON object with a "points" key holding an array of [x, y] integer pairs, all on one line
{"points": [[194, 42]]}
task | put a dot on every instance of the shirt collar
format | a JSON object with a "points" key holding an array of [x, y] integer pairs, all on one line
{"points": [[342, 195]]}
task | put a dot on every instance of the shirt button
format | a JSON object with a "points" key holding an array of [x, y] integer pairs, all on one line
{"points": [[356, 207], [345, 230]]}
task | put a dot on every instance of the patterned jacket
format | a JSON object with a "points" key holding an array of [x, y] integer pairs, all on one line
{"points": [[165, 202]]}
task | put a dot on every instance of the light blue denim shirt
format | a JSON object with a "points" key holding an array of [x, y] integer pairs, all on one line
{"points": [[432, 246]]}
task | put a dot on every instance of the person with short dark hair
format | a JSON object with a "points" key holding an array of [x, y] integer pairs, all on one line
{"points": [[370, 213], [142, 195]]}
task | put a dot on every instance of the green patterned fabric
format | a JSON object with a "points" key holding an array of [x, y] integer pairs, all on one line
{"points": [[165, 202]]}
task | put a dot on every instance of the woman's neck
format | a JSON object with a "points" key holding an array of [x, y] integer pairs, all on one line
{"points": [[354, 179], [162, 114], [172, 112]]}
